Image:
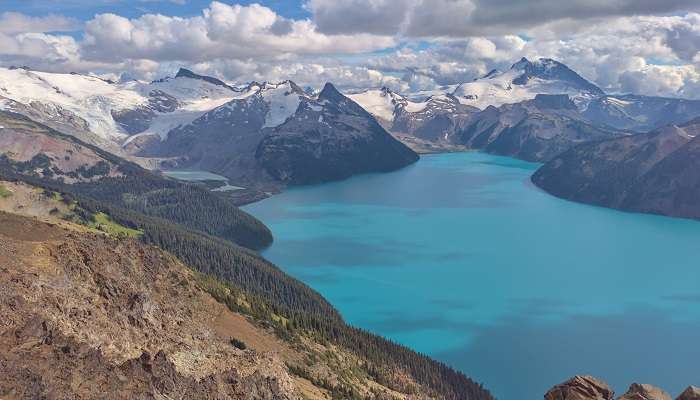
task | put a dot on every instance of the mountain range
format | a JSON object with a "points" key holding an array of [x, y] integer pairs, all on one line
{"points": [[82, 201], [266, 136], [270, 135]]}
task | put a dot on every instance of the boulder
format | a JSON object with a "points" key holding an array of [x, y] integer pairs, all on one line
{"points": [[644, 391], [580, 387], [691, 393]]}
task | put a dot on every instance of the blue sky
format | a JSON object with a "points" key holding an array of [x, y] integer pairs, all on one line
{"points": [[84, 10]]}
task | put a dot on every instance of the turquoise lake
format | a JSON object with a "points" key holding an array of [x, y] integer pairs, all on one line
{"points": [[459, 256]]}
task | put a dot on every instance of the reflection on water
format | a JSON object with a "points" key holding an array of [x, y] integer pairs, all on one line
{"points": [[459, 256]]}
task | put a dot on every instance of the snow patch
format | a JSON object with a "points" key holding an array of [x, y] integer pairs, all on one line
{"points": [[376, 102], [283, 103]]}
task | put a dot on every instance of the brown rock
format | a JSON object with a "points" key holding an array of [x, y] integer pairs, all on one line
{"points": [[580, 387], [691, 393], [644, 392]]}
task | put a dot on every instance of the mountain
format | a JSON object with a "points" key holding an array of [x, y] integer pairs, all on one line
{"points": [[109, 111], [277, 134], [533, 130], [330, 137], [655, 172], [523, 81], [197, 121], [432, 119], [641, 113], [532, 111]]}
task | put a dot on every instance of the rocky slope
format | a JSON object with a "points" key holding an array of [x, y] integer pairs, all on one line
{"points": [[84, 315], [655, 172], [640, 113], [35, 150], [589, 388], [533, 130]]}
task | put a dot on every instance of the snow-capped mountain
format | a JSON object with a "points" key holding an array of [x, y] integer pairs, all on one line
{"points": [[641, 113], [523, 81], [199, 121], [110, 111], [432, 119], [279, 132]]}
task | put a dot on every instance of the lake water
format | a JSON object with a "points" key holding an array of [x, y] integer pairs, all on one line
{"points": [[461, 257], [197, 175]]}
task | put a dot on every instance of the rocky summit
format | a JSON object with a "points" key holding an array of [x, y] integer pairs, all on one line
{"points": [[580, 387]]}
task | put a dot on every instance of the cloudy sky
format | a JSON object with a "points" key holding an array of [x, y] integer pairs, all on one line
{"points": [[639, 46]]}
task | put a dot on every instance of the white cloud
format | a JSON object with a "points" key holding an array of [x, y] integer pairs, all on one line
{"points": [[13, 22], [647, 54], [459, 18], [222, 31]]}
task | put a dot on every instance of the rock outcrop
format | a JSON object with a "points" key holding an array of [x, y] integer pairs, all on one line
{"points": [[644, 391], [580, 387], [691, 393], [583, 387]]}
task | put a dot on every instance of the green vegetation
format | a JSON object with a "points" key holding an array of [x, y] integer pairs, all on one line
{"points": [[103, 222], [186, 204], [4, 192], [139, 190]]}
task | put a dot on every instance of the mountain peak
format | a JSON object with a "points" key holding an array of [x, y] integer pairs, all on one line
{"points": [[521, 64], [329, 92], [551, 70], [186, 73]]}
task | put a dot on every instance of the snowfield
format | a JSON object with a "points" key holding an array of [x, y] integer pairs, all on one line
{"points": [[94, 100]]}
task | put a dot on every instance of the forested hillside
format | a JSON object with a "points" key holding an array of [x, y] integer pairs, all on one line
{"points": [[202, 230]]}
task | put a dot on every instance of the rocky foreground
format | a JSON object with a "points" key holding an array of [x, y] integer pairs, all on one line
{"points": [[589, 388]]}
